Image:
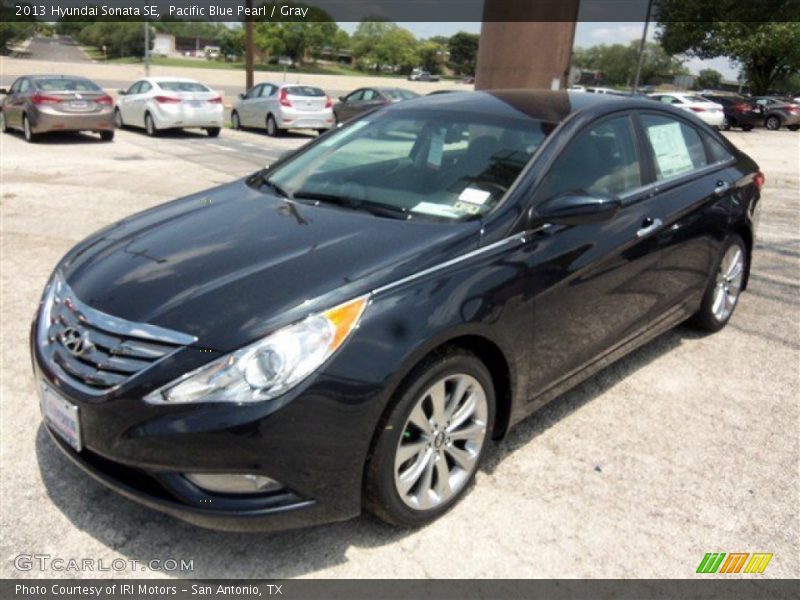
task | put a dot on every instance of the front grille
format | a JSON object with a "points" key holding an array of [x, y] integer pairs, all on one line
{"points": [[96, 352]]}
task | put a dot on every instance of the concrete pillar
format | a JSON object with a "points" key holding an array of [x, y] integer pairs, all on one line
{"points": [[520, 49]]}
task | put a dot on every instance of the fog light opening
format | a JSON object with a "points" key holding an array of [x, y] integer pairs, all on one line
{"points": [[233, 483]]}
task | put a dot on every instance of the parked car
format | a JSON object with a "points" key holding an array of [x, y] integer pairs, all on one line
{"points": [[280, 107], [779, 113], [159, 103], [577, 88], [38, 104], [600, 90], [350, 327], [364, 99], [707, 111], [420, 75], [737, 111]]}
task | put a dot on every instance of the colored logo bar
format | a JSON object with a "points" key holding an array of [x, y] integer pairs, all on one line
{"points": [[735, 562]]}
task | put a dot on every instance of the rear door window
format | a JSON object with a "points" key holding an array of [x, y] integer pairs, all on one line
{"points": [[676, 147]]}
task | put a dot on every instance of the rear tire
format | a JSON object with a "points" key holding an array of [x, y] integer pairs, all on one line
{"points": [[107, 136], [772, 123], [213, 131], [236, 123], [150, 125], [724, 287], [416, 473], [3, 125], [30, 137], [747, 128], [726, 124], [272, 127]]}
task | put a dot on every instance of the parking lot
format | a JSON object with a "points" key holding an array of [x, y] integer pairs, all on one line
{"points": [[689, 445]]}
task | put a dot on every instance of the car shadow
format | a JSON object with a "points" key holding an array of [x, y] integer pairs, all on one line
{"points": [[141, 534], [62, 138]]}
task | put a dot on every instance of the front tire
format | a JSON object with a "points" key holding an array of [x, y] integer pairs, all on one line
{"points": [[150, 125], [772, 123], [107, 136], [430, 445], [236, 123], [30, 137], [722, 294]]}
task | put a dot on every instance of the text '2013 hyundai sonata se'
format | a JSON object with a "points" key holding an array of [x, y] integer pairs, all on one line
{"points": [[351, 327]]}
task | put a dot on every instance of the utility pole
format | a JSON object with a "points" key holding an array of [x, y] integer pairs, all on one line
{"points": [[146, 49], [248, 46], [641, 46]]}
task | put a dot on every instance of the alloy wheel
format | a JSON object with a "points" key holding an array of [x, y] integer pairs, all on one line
{"points": [[728, 283], [149, 126], [235, 123], [118, 119], [26, 129], [773, 123], [272, 127], [441, 442]]}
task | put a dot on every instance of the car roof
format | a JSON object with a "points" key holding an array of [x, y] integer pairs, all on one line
{"points": [[545, 105], [166, 78]]}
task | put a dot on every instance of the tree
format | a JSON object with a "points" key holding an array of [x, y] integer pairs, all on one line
{"points": [[708, 79], [381, 44], [464, 52], [430, 55], [768, 51], [291, 39], [14, 32], [231, 42], [121, 38], [617, 62]]}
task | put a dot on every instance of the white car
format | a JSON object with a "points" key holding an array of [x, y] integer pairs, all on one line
{"points": [[601, 90], [706, 110], [157, 103], [278, 108]]}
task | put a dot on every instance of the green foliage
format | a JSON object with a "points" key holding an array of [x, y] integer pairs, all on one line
{"points": [[708, 79], [618, 63], [380, 45], [430, 55], [11, 31], [464, 52], [769, 52], [120, 38]]}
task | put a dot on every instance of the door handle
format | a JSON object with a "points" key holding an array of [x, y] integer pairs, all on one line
{"points": [[649, 225], [722, 187]]}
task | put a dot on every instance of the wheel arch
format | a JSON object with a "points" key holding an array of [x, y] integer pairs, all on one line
{"points": [[746, 233]]}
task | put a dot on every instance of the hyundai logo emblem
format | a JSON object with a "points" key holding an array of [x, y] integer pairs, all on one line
{"points": [[76, 342]]}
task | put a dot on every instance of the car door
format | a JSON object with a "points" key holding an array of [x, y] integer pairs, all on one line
{"points": [[141, 100], [12, 104], [692, 184], [265, 104], [126, 104], [593, 286], [246, 106], [351, 105]]}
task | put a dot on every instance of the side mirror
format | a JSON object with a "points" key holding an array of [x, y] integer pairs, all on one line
{"points": [[121, 92], [578, 208], [3, 92], [341, 99], [241, 96]]}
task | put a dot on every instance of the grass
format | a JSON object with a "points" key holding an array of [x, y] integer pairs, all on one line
{"points": [[312, 69]]}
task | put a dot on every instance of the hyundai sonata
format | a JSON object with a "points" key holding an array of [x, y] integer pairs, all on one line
{"points": [[350, 328]]}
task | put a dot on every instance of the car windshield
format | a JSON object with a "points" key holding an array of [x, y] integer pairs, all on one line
{"points": [[436, 164], [182, 86], [67, 85], [304, 90]]}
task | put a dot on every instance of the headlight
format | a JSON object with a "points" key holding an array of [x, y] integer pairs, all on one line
{"points": [[269, 367]]}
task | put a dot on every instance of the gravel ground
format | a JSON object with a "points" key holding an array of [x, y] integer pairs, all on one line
{"points": [[687, 446]]}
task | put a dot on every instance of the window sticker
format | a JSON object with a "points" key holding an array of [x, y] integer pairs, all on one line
{"points": [[669, 146], [439, 210], [472, 195], [436, 149]]}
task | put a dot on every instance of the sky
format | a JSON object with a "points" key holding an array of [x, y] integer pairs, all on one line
{"points": [[586, 34]]}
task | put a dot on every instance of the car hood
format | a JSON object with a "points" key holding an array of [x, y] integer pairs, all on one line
{"points": [[231, 264]]}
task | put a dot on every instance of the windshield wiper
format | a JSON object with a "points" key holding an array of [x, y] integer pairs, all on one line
{"points": [[375, 208]]}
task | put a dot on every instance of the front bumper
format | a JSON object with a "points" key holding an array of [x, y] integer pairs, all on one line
{"points": [[313, 442]]}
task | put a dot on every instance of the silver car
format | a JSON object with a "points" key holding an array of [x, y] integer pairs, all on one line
{"points": [[39, 104], [158, 103], [278, 108]]}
